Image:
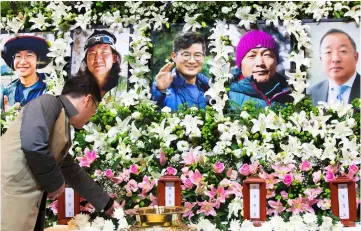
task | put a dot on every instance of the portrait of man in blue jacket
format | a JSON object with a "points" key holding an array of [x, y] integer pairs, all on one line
{"points": [[184, 83], [257, 59], [24, 54]]}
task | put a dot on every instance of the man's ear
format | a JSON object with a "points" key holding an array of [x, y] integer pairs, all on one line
{"points": [[174, 56], [356, 56], [115, 58], [88, 99]]}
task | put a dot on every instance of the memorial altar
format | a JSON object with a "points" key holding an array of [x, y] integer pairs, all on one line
{"points": [[286, 165]]}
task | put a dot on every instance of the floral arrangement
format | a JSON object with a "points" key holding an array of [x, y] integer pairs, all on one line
{"points": [[130, 143]]}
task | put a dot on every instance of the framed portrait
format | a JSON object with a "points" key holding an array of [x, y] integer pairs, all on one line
{"points": [[122, 45], [163, 46], [278, 34], [316, 72], [7, 74]]}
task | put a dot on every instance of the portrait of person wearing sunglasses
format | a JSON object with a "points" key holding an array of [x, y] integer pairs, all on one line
{"points": [[102, 61], [24, 55], [184, 83]]}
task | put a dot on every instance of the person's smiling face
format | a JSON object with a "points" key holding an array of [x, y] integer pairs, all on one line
{"points": [[25, 63], [261, 63]]}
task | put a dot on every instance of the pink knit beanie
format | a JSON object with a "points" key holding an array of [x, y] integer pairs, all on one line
{"points": [[255, 39]]}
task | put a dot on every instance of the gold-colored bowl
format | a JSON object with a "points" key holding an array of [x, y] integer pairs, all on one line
{"points": [[164, 216]]}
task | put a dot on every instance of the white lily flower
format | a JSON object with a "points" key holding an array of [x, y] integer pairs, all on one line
{"points": [[162, 132], [339, 129], [15, 24], [191, 23], [120, 127], [82, 20], [354, 13], [220, 29], [350, 151], [135, 133], [158, 20], [338, 7], [246, 17], [191, 124], [215, 88], [39, 22]]}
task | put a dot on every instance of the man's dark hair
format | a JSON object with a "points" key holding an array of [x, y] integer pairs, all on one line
{"points": [[114, 74], [337, 31], [79, 86], [186, 40]]}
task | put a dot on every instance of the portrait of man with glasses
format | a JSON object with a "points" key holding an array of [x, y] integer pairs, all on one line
{"points": [[183, 84], [24, 55]]}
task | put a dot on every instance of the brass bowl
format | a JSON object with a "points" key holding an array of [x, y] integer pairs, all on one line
{"points": [[163, 216]]}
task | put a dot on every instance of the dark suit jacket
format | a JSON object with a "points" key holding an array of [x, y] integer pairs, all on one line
{"points": [[319, 92]]}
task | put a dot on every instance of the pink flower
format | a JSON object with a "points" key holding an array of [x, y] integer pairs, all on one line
{"points": [[189, 214], [329, 176], [282, 170], [298, 177], [109, 173], [117, 179], [234, 189], [316, 176], [270, 194], [125, 175], [299, 205], [288, 179], [154, 200], [218, 167], [220, 193], [172, 171], [54, 206], [88, 158], [352, 170], [284, 195], [332, 168], [189, 159], [270, 180], [196, 177], [98, 172], [130, 187], [162, 159], [253, 168], [207, 208], [185, 170], [146, 186], [187, 184], [324, 204], [134, 169], [312, 193], [305, 166], [244, 170], [232, 174], [225, 182], [277, 207]]}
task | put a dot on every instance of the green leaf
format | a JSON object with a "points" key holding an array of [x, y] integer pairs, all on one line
{"points": [[116, 163]]}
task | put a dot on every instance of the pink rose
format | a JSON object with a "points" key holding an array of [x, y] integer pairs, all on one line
{"points": [[172, 171], [244, 170], [305, 166], [187, 184], [329, 176], [352, 170], [134, 169], [225, 182], [284, 195], [253, 168], [109, 173], [316, 176], [98, 172], [232, 174], [218, 167], [288, 179]]}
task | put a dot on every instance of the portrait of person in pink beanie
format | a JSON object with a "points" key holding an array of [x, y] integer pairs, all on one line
{"points": [[257, 56]]}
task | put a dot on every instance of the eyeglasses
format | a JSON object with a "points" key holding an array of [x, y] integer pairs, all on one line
{"points": [[197, 56], [28, 57], [99, 39], [96, 104]]}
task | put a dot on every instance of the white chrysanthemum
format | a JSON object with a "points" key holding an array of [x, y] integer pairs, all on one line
{"points": [[235, 207], [234, 225], [108, 226], [182, 146], [247, 225], [98, 223], [206, 225]]}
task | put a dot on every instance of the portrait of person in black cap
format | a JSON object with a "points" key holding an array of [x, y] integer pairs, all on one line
{"points": [[102, 60], [24, 54]]}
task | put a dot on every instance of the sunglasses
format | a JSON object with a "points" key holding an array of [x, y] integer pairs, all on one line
{"points": [[99, 39]]}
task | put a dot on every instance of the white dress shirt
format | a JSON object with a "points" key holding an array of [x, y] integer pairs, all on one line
{"points": [[333, 90]]}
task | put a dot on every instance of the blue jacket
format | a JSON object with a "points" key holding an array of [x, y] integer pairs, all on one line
{"points": [[180, 92], [30, 93], [246, 89]]}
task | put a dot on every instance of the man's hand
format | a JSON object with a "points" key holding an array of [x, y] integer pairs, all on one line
{"points": [[110, 211], [56, 193], [7, 106], [164, 78]]}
